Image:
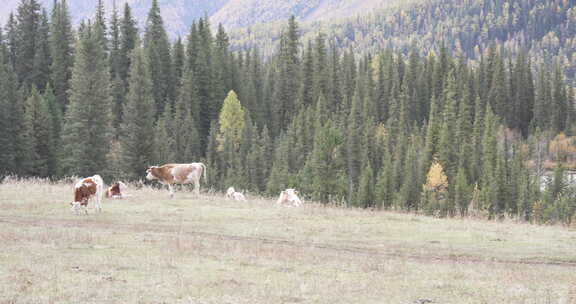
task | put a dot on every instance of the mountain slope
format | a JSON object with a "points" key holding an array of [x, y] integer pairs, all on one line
{"points": [[243, 13], [543, 28], [177, 14]]}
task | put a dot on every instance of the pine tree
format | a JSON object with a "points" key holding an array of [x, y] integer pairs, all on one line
{"points": [[136, 140], [462, 192], [56, 120], [157, 50], [26, 40], [38, 121], [365, 196], [114, 43], [384, 195], [9, 120], [42, 57], [307, 94], [287, 87], [354, 144], [128, 41], [164, 145], [61, 49], [324, 171], [448, 142], [186, 138], [231, 122], [178, 60], [26, 154], [87, 127]]}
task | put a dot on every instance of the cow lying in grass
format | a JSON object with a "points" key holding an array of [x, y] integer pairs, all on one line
{"points": [[289, 197], [117, 190], [232, 194]]}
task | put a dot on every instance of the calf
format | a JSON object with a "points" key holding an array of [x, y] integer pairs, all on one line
{"points": [[289, 197], [86, 189], [116, 191]]}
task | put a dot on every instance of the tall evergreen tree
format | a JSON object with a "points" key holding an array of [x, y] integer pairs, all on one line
{"points": [[157, 50], [61, 49], [128, 41], [87, 127], [27, 36], [137, 136], [38, 121], [11, 118]]}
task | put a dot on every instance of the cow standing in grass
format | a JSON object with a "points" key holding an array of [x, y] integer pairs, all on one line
{"points": [[170, 174], [86, 189]]}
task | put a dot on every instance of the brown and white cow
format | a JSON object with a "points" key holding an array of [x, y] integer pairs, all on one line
{"points": [[117, 190], [170, 174], [86, 189], [289, 197]]}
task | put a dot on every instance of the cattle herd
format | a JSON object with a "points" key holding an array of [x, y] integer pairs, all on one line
{"points": [[92, 188]]}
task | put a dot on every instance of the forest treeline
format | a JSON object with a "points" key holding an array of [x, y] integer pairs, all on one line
{"points": [[430, 134], [545, 29]]}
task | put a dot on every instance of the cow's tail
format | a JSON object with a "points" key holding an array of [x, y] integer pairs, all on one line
{"points": [[204, 171]]}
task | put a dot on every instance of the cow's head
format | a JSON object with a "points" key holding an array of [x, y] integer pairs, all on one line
{"points": [[150, 173]]}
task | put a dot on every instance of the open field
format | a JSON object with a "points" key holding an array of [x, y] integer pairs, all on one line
{"points": [[152, 249]]}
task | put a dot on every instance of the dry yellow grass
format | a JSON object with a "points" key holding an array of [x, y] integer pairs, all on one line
{"points": [[149, 248]]}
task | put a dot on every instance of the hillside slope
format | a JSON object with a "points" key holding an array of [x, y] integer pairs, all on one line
{"points": [[546, 29], [177, 14], [243, 13]]}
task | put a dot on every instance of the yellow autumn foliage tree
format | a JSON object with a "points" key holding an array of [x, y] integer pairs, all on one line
{"points": [[436, 180], [562, 146], [231, 121]]}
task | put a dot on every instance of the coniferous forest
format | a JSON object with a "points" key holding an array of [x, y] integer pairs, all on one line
{"points": [[434, 134]]}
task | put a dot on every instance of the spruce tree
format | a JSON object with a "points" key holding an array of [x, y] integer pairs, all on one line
{"points": [[26, 43], [137, 136], [42, 57], [462, 192], [11, 120], [157, 50], [87, 126], [164, 144], [56, 121], [128, 41], [38, 121], [61, 49]]}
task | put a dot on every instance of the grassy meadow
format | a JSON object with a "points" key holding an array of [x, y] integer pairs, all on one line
{"points": [[148, 248]]}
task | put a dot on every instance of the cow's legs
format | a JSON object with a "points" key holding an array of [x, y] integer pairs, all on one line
{"points": [[98, 204], [197, 187], [171, 191]]}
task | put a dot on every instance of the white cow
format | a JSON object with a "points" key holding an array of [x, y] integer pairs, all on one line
{"points": [[230, 192], [239, 196], [289, 197]]}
